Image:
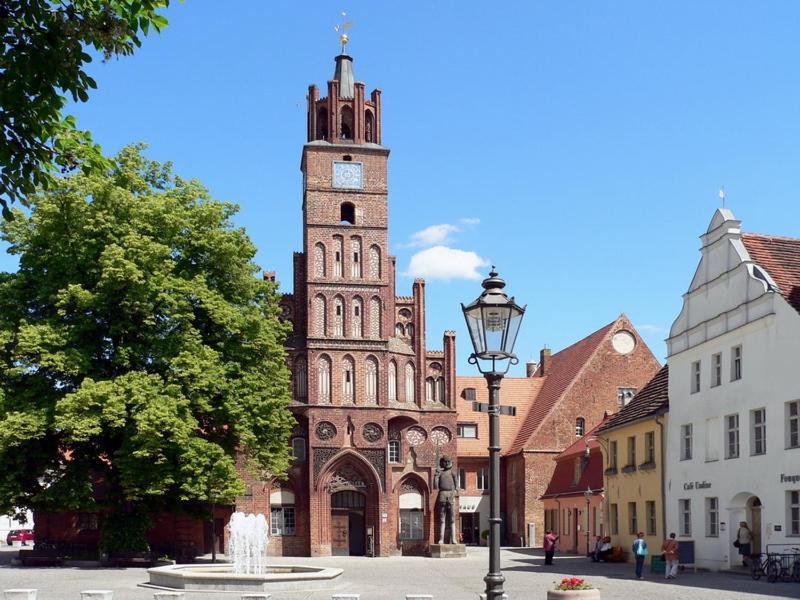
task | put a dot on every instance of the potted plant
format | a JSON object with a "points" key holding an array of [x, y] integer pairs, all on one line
{"points": [[575, 588]]}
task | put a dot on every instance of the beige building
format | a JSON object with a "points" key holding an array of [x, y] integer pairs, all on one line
{"points": [[633, 447]]}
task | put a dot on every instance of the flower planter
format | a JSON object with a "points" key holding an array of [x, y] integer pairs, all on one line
{"points": [[593, 594]]}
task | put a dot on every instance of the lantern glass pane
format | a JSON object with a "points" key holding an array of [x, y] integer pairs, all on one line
{"points": [[514, 323], [495, 320], [475, 327]]}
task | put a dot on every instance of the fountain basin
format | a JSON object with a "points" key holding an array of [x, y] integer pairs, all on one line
{"points": [[221, 578]]}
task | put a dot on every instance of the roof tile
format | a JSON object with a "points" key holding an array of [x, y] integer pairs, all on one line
{"points": [[780, 256]]}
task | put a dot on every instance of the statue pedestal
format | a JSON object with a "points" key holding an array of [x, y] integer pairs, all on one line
{"points": [[447, 551]]}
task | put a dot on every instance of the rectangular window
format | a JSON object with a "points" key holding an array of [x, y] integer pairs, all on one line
{"points": [[736, 363], [793, 500], [686, 442], [732, 436], [632, 518], [712, 517], [650, 509], [625, 395], [685, 516], [469, 394], [299, 448], [282, 522], [462, 479], [467, 430], [793, 424], [758, 431], [394, 451], [614, 519], [612, 456], [695, 376], [412, 524], [716, 369], [483, 479], [650, 447], [631, 451]]}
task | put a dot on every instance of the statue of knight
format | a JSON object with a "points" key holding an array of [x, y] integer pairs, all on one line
{"points": [[447, 483]]}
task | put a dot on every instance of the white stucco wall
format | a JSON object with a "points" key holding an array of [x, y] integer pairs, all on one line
{"points": [[8, 523], [724, 309]]}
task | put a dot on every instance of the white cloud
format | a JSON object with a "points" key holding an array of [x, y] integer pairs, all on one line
{"points": [[469, 221], [441, 262], [651, 328], [433, 235]]}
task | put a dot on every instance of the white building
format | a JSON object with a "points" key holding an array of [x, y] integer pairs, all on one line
{"points": [[734, 394], [8, 523]]}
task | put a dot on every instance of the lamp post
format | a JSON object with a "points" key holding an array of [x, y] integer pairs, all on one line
{"points": [[588, 495], [493, 321]]}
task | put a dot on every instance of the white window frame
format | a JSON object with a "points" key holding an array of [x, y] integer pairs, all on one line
{"points": [[712, 517], [482, 482], [732, 439], [685, 517], [650, 447], [278, 520], [716, 369], [686, 441], [694, 382], [758, 431], [580, 426], [613, 455], [793, 513], [463, 428], [736, 363], [793, 424], [394, 452]]}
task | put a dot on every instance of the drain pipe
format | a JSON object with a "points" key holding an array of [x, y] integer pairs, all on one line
{"points": [[663, 477]]}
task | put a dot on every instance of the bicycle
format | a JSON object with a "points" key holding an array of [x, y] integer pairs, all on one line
{"points": [[785, 567], [758, 565]]}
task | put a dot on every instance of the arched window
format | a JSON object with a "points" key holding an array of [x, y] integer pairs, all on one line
{"points": [[338, 253], [399, 330], [348, 379], [412, 512], [300, 380], [409, 382], [347, 123], [338, 316], [580, 426], [355, 246], [320, 316], [440, 390], [282, 517], [430, 390], [410, 330], [358, 317], [322, 124], [347, 213], [319, 260], [392, 381], [375, 317], [369, 127], [324, 378], [371, 380], [374, 262]]}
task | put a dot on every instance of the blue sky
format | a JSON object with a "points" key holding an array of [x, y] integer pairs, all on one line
{"points": [[577, 145]]}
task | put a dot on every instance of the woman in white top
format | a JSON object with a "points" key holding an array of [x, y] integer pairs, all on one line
{"points": [[745, 538]]}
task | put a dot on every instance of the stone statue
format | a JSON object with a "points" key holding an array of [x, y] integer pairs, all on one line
{"points": [[447, 483]]}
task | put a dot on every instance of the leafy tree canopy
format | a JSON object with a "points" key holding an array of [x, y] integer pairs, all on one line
{"points": [[42, 61], [140, 353]]}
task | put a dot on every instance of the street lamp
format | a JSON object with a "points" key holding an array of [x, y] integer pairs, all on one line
{"points": [[588, 495], [493, 321]]}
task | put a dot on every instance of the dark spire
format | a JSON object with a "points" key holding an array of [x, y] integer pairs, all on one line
{"points": [[344, 75]]}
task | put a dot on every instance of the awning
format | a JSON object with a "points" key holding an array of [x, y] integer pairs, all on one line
{"points": [[469, 504]]}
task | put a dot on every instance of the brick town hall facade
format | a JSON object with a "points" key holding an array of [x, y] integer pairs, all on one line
{"points": [[375, 407]]}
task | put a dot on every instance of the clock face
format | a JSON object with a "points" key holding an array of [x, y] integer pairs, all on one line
{"points": [[348, 175], [623, 342]]}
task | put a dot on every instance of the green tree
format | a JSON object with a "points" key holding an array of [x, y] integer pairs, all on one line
{"points": [[43, 59], [138, 348]]}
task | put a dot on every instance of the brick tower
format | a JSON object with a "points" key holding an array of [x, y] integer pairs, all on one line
{"points": [[375, 409]]}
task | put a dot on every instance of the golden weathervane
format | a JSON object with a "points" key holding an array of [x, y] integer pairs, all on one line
{"points": [[341, 29]]}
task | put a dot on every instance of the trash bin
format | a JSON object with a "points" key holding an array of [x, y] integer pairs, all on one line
{"points": [[657, 564]]}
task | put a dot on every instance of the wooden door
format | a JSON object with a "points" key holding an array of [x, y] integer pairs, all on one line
{"points": [[340, 541]]}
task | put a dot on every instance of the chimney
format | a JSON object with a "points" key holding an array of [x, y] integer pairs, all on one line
{"points": [[530, 368], [544, 361]]}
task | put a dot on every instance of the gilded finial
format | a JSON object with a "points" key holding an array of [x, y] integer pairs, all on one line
{"points": [[341, 29]]}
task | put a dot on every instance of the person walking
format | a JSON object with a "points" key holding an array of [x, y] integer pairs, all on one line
{"points": [[744, 538], [670, 551], [550, 540], [640, 552]]}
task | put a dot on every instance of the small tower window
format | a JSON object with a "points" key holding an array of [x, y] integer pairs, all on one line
{"points": [[369, 127], [347, 123], [322, 124], [580, 427], [348, 213]]}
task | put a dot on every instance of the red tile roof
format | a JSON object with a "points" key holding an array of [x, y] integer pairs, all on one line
{"points": [[780, 256], [650, 400], [564, 370], [563, 483]]}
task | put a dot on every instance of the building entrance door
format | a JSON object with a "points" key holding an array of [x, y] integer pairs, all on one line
{"points": [[348, 531], [754, 504], [469, 528]]}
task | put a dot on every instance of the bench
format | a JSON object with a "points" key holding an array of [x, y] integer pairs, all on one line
{"points": [[130, 559], [41, 557]]}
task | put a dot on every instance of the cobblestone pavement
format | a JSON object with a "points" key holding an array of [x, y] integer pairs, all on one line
{"points": [[448, 579]]}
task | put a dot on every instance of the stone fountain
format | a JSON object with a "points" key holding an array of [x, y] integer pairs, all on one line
{"points": [[249, 571]]}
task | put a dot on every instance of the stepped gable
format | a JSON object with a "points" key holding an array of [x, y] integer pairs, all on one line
{"points": [[518, 392], [565, 366], [780, 256], [563, 483], [651, 400]]}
